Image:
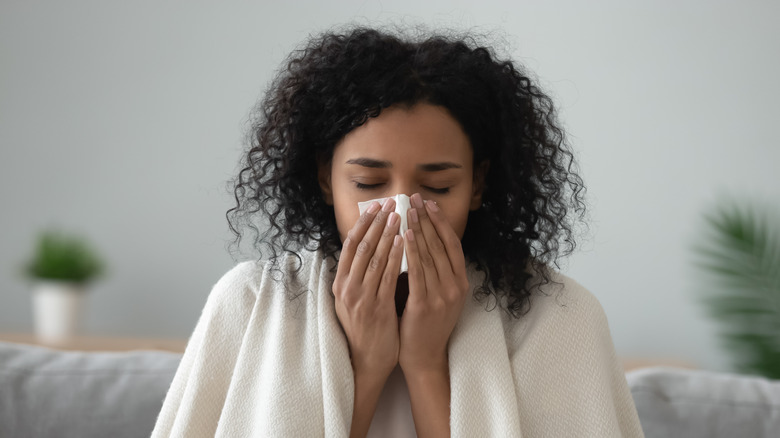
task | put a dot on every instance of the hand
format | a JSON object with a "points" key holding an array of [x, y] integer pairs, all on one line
{"points": [[438, 287], [364, 290]]}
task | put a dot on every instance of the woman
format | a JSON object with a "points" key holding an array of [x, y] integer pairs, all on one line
{"points": [[480, 338]]}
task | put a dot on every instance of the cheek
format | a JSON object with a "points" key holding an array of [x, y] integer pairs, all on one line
{"points": [[456, 208], [458, 222], [457, 215], [347, 214]]}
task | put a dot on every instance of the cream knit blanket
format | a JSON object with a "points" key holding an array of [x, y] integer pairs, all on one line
{"points": [[262, 364]]}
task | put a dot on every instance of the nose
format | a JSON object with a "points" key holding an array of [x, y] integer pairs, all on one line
{"points": [[403, 182], [403, 187]]}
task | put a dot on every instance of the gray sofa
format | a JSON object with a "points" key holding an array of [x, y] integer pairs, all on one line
{"points": [[687, 403], [48, 393]]}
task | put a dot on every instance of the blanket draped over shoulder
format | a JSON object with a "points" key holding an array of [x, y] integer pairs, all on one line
{"points": [[265, 360]]}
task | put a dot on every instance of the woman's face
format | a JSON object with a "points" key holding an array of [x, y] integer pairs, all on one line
{"points": [[421, 149]]}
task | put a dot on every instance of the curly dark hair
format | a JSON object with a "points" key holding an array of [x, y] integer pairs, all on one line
{"points": [[340, 79]]}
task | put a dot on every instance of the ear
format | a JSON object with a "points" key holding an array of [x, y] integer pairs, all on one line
{"points": [[323, 177], [480, 174]]}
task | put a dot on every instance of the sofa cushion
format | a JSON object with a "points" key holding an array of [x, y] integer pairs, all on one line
{"points": [[50, 393], [692, 403]]}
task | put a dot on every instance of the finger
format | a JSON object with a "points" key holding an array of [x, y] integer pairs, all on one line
{"points": [[354, 236], [386, 290], [417, 289], [433, 242], [424, 256], [378, 263], [366, 248], [450, 240]]}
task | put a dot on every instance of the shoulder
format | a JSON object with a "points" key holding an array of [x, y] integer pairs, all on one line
{"points": [[253, 279], [237, 289], [564, 295], [562, 307], [245, 276], [566, 366], [252, 274]]}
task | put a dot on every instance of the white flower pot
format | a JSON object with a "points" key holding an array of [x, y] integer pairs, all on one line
{"points": [[57, 310]]}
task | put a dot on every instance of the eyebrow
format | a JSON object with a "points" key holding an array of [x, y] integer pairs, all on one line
{"points": [[379, 164], [433, 167], [370, 162]]}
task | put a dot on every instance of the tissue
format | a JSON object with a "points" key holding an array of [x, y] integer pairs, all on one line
{"points": [[402, 204]]}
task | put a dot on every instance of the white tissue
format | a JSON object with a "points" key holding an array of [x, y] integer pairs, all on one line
{"points": [[402, 204]]}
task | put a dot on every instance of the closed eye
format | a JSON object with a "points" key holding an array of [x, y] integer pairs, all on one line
{"points": [[362, 186], [440, 191]]}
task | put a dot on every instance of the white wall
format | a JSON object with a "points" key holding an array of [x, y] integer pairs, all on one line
{"points": [[124, 121]]}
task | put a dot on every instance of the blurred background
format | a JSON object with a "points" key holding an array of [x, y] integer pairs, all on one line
{"points": [[123, 121]]}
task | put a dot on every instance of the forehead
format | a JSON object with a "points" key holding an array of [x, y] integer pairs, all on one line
{"points": [[420, 134]]}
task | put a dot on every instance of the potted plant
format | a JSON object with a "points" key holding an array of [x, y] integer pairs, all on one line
{"points": [[61, 268], [740, 257]]}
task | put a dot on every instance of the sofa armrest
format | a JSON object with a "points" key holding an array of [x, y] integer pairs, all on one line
{"points": [[51, 393], [693, 403]]}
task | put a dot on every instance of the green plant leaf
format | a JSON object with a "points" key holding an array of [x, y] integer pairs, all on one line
{"points": [[64, 258], [739, 258]]}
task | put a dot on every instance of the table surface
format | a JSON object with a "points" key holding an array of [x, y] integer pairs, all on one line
{"points": [[114, 343], [100, 343]]}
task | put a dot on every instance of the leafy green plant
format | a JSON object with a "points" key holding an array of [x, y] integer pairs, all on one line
{"points": [[63, 257], [740, 258]]}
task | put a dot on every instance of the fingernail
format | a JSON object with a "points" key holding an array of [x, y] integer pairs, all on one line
{"points": [[413, 212], [410, 235], [417, 200], [432, 206], [389, 205], [392, 220], [397, 240], [373, 208]]}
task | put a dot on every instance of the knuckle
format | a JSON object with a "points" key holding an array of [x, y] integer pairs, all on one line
{"points": [[452, 294], [363, 247], [437, 245], [350, 301], [388, 278], [375, 263], [380, 218], [426, 260], [365, 219], [437, 306], [340, 284], [388, 233], [348, 298]]}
